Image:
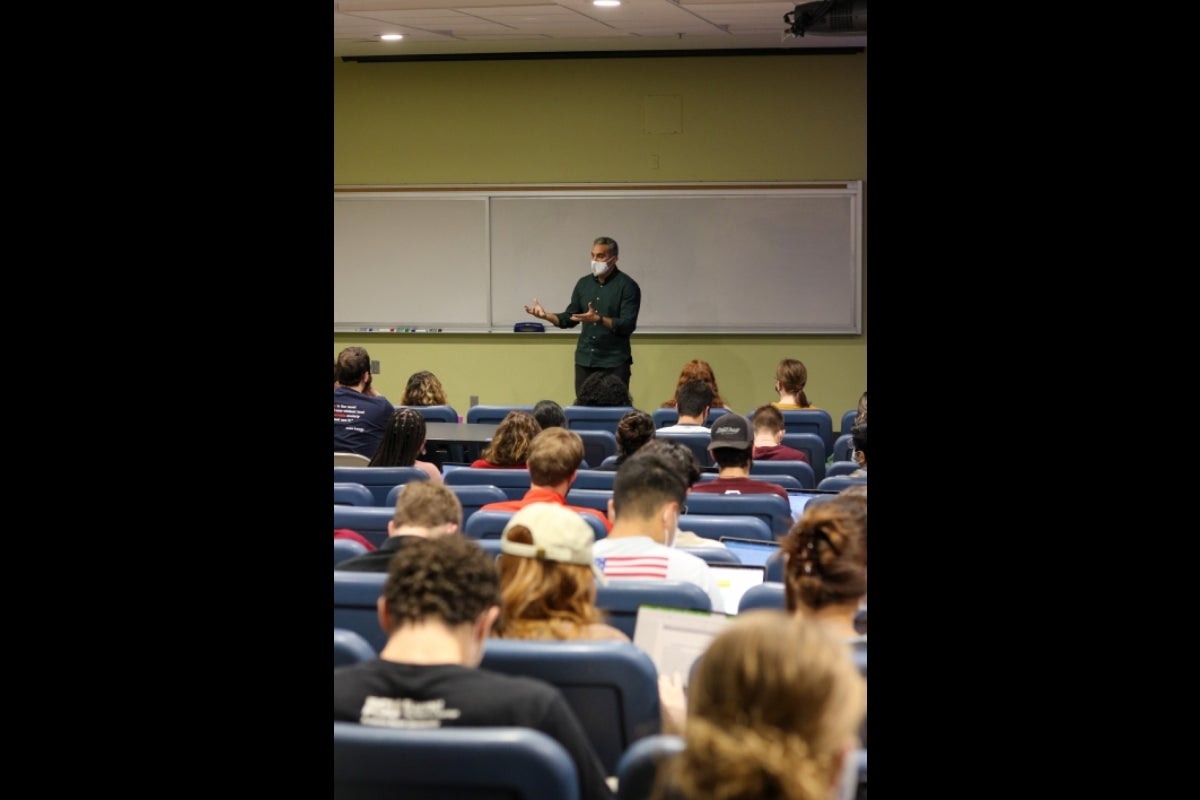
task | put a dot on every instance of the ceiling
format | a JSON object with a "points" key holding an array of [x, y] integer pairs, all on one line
{"points": [[472, 28]]}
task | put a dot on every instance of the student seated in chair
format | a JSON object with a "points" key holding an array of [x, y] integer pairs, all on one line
{"points": [[440, 601], [648, 497], [509, 448], [858, 435], [554, 457], [693, 400], [768, 437], [423, 510], [360, 412], [773, 710], [732, 448], [548, 578]]}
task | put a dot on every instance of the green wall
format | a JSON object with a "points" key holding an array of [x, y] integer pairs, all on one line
{"points": [[731, 118]]}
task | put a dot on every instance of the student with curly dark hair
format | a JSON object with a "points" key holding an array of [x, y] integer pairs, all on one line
{"points": [[634, 430], [438, 606]]}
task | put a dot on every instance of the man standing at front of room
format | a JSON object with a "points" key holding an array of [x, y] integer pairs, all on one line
{"points": [[607, 302]]}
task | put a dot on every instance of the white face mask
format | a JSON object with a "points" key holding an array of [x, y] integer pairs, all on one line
{"points": [[599, 268]]}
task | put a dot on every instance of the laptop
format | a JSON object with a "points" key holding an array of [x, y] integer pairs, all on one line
{"points": [[733, 580], [800, 499], [750, 551]]}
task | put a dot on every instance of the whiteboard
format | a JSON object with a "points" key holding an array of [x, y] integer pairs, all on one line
{"points": [[709, 259]]}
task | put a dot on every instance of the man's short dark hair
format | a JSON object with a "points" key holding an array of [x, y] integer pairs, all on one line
{"points": [[693, 397], [549, 414], [645, 481], [447, 577], [858, 435]]}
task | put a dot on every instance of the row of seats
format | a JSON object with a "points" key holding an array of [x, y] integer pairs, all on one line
{"points": [[604, 419], [773, 512], [611, 686], [515, 763], [355, 593], [384, 482], [811, 420]]}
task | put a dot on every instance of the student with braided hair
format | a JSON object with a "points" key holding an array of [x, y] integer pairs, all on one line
{"points": [[825, 563], [403, 441], [773, 709]]}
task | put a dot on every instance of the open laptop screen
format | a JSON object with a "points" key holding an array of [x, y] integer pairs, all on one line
{"points": [[800, 499], [733, 580], [750, 551]]}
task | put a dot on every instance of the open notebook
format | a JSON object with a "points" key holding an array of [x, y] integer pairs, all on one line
{"points": [[674, 638]]}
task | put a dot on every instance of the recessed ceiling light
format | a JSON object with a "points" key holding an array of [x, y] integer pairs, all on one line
{"points": [[392, 37], [606, 3]]}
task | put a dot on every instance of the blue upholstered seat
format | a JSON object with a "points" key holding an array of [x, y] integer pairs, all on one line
{"points": [[612, 686], [380, 480], [458, 763]]}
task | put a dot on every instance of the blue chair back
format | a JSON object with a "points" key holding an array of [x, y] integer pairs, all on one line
{"points": [[350, 648], [472, 496], [714, 526], [458, 763], [595, 418], [513, 482], [812, 446], [771, 508], [810, 420], [774, 567], [611, 686], [803, 472], [609, 460], [713, 555], [777, 478], [840, 468], [664, 416], [489, 525], [768, 594], [669, 416], [638, 767], [435, 413], [847, 422], [594, 478], [352, 494], [370, 521], [590, 498], [842, 447], [354, 608], [379, 480], [698, 442], [492, 415], [346, 549], [839, 482], [620, 599], [597, 445]]}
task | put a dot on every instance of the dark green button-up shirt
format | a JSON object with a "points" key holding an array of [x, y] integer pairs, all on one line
{"points": [[619, 298]]}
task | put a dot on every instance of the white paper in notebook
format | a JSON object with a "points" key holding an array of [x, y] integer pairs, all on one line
{"points": [[674, 638]]}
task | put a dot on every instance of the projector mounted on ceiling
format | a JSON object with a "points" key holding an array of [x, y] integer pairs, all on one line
{"points": [[828, 18]]}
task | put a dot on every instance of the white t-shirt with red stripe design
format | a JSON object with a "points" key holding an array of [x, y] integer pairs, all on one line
{"points": [[640, 557]]}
